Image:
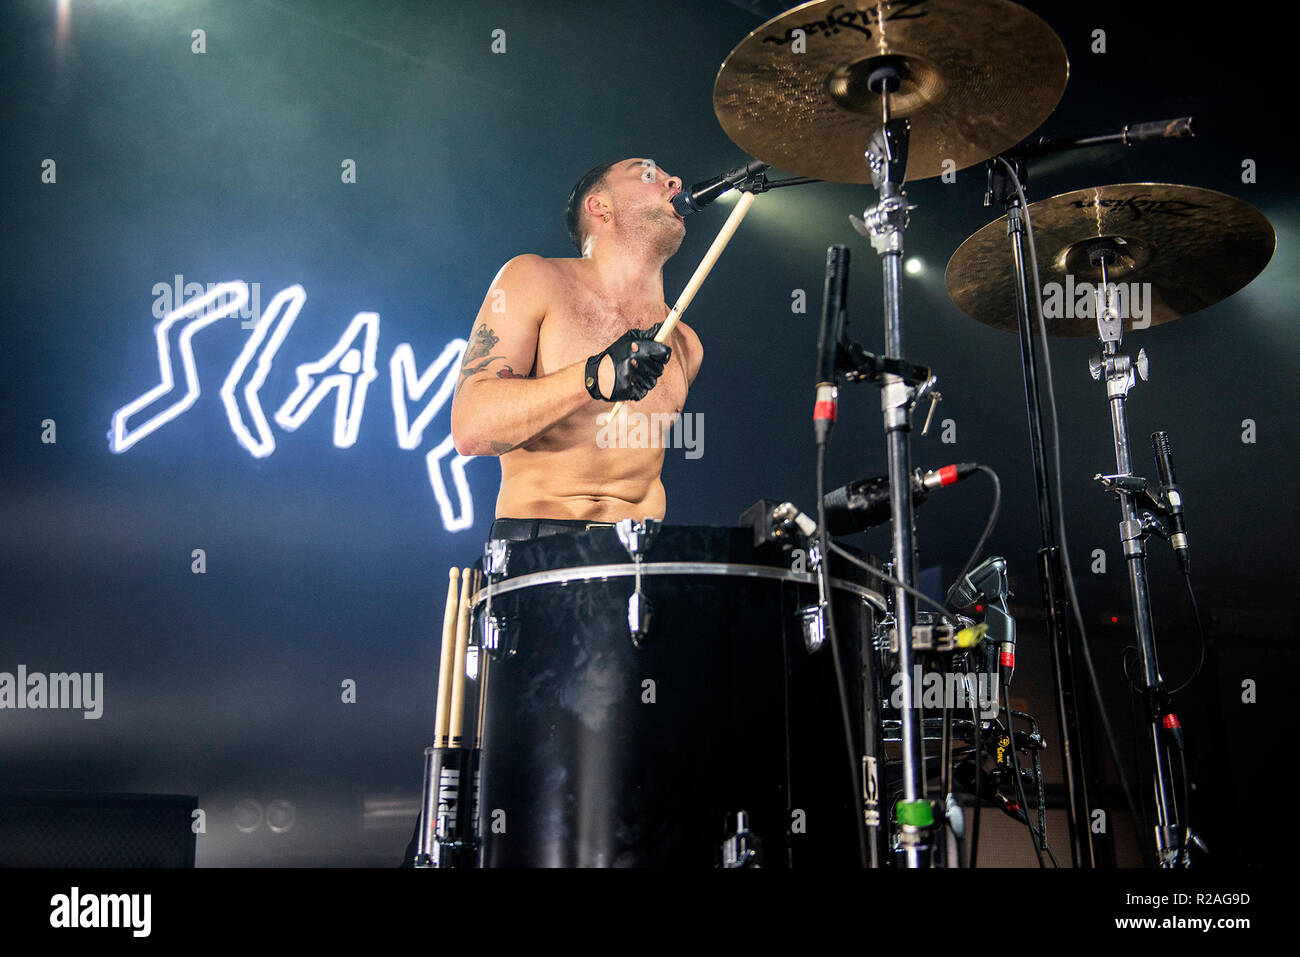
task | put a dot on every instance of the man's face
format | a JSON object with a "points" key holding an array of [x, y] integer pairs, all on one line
{"points": [[640, 194]]}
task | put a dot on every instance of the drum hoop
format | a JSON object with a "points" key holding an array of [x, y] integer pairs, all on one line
{"points": [[582, 573]]}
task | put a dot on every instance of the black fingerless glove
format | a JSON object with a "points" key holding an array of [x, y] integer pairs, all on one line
{"points": [[638, 363]]}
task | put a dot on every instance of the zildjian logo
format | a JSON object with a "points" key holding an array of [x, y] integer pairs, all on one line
{"points": [[846, 19], [1143, 204]]}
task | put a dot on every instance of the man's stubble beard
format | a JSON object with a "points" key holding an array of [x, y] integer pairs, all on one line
{"points": [[655, 229]]}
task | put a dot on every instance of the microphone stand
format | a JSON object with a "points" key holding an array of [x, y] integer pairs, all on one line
{"points": [[1051, 570]]}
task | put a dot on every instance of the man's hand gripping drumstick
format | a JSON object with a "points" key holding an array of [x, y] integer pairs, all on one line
{"points": [[640, 361]]}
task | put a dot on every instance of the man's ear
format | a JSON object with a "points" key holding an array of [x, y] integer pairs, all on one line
{"points": [[596, 205]]}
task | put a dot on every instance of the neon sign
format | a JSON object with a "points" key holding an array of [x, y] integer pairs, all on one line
{"points": [[346, 370]]}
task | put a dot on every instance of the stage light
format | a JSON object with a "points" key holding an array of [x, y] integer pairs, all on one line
{"points": [[914, 266], [63, 23]]}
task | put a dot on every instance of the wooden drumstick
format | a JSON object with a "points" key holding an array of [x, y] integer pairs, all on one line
{"points": [[445, 660], [456, 722], [484, 659], [701, 272]]}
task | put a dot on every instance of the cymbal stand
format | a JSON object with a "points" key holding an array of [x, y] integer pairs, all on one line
{"points": [[1120, 373], [1085, 849], [884, 223]]}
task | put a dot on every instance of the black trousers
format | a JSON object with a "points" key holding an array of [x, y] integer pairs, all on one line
{"points": [[514, 530]]}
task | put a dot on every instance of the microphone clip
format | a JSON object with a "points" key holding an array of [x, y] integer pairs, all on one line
{"points": [[1134, 485], [863, 366], [1154, 503]]}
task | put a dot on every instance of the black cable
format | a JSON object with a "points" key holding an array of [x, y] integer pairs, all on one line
{"points": [[920, 596], [1123, 663], [945, 779], [945, 753], [828, 618], [975, 715], [983, 539], [1042, 806], [979, 797], [1136, 702], [1015, 770], [1060, 512], [1186, 814], [1186, 810], [1139, 689], [946, 613], [1038, 781], [1200, 630]]}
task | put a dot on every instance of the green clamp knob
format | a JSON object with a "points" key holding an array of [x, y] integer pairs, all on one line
{"points": [[915, 813]]}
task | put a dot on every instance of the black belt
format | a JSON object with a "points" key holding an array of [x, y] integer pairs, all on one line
{"points": [[523, 529]]}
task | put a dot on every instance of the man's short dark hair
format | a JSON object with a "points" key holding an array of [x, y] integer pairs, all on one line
{"points": [[591, 181]]}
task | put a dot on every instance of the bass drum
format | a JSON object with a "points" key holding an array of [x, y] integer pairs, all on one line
{"points": [[715, 740]]}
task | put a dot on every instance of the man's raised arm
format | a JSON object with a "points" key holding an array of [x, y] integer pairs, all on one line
{"points": [[496, 407]]}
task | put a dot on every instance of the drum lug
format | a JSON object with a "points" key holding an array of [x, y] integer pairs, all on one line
{"points": [[640, 613], [496, 553], [814, 627], [741, 848], [637, 538], [494, 636]]}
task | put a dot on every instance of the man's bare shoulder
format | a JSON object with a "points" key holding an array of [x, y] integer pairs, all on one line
{"points": [[525, 266], [690, 339], [532, 261], [692, 350], [538, 272]]}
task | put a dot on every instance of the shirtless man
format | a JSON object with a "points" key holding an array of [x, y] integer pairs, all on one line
{"points": [[548, 327], [524, 391]]}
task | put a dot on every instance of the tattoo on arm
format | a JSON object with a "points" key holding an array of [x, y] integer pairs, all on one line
{"points": [[467, 370], [481, 343], [476, 357]]}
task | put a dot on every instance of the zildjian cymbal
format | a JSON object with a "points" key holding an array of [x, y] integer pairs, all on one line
{"points": [[977, 77], [1193, 246]]}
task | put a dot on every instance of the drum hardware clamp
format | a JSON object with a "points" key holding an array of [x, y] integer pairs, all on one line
{"points": [[741, 848], [637, 537], [496, 555]]}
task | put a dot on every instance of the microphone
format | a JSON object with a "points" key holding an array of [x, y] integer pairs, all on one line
{"points": [[834, 298], [865, 503], [1173, 499], [786, 518], [986, 787], [1160, 129], [693, 200], [987, 582], [1179, 127]]}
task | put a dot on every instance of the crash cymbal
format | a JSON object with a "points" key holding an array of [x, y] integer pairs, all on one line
{"points": [[978, 76], [1194, 246]]}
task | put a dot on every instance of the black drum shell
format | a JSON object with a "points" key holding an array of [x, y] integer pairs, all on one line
{"points": [[597, 752]]}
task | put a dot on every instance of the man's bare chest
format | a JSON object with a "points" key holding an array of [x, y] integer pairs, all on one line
{"points": [[571, 331]]}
